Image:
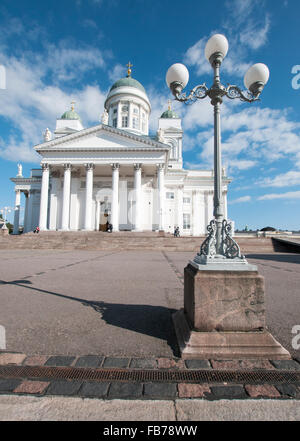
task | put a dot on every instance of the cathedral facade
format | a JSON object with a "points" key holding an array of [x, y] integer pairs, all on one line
{"points": [[115, 173]]}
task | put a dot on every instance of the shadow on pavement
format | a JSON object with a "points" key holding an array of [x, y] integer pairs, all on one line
{"points": [[154, 321], [289, 258]]}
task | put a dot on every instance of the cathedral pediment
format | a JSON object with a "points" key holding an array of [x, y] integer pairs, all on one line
{"points": [[101, 137]]}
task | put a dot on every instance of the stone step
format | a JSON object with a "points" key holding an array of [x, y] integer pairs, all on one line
{"points": [[95, 240]]}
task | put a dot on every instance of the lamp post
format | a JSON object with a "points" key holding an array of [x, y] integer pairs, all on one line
{"points": [[218, 245], [224, 313]]}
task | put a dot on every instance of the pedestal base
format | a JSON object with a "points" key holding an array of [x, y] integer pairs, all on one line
{"points": [[225, 344]]}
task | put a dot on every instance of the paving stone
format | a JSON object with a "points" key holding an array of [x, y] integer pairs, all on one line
{"points": [[186, 390], [160, 390], [230, 365], [197, 364], [94, 389], [256, 364], [262, 390], [228, 392], [36, 360], [286, 365], [288, 389], [169, 363], [59, 360], [111, 362], [92, 361], [125, 390], [8, 358], [32, 387], [63, 387], [8, 385], [143, 363]]}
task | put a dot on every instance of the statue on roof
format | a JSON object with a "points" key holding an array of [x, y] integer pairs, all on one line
{"points": [[160, 135], [20, 168], [104, 117], [47, 135]]}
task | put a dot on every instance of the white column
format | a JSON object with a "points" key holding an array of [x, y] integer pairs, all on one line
{"points": [[66, 197], [115, 197], [138, 196], [179, 220], [97, 215], [119, 121], [225, 204], [130, 114], [88, 196], [17, 212], [26, 211], [196, 217], [29, 211], [161, 194], [44, 197]]}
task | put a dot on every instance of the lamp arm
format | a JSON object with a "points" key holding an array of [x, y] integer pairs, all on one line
{"points": [[233, 92], [198, 92]]}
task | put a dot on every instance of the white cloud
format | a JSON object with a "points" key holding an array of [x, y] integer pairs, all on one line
{"points": [[288, 195], [30, 104], [287, 179], [240, 200]]}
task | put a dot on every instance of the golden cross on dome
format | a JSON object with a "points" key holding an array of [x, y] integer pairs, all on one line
{"points": [[169, 104], [72, 105], [129, 65]]}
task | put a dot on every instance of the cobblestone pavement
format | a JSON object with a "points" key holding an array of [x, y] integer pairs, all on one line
{"points": [[120, 303], [77, 376]]}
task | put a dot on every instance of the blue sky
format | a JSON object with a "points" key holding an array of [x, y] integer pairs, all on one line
{"points": [[54, 52]]}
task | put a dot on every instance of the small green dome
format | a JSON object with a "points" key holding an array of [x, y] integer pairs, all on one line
{"points": [[70, 114], [169, 114], [128, 82]]}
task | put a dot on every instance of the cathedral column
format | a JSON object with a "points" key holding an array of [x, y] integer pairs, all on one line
{"points": [[44, 197], [138, 196], [26, 211], [66, 197], [88, 196], [130, 114], [97, 215], [180, 208], [29, 211], [161, 194], [119, 121], [115, 197], [17, 212]]}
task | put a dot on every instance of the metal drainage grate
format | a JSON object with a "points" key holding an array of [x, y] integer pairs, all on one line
{"points": [[135, 375]]}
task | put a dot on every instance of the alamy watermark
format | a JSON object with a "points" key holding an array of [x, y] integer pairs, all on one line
{"points": [[296, 339], [296, 78], [2, 338], [2, 77]]}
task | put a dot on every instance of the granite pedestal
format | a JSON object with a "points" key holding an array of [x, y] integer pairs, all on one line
{"points": [[224, 314]]}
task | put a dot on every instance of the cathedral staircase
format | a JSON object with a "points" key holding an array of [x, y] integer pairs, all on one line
{"points": [[125, 240]]}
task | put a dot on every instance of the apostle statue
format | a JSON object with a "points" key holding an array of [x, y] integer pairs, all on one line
{"points": [[20, 171], [47, 135], [104, 117], [160, 135]]}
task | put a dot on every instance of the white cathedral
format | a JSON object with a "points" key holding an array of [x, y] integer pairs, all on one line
{"points": [[115, 172]]}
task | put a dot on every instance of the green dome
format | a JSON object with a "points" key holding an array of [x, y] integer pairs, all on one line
{"points": [[169, 114], [70, 114], [128, 82]]}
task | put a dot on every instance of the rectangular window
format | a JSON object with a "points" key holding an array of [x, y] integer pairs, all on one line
{"points": [[135, 110], [115, 110], [186, 200], [115, 122], [186, 221], [135, 123], [124, 121], [170, 195]]}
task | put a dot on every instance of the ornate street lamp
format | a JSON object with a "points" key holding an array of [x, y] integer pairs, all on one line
{"points": [[218, 245], [224, 314]]}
